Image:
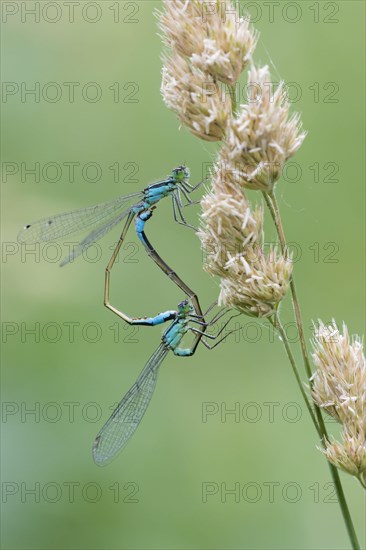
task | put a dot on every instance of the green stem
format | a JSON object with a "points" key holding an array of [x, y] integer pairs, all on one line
{"points": [[344, 506], [362, 481], [271, 201], [279, 327]]}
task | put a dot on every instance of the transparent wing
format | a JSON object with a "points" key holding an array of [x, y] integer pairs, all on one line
{"points": [[127, 416], [68, 223], [94, 236]]}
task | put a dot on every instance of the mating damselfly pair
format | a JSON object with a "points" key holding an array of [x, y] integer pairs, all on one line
{"points": [[98, 220]]}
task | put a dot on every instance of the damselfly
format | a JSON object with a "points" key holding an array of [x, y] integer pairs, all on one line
{"points": [[103, 217], [125, 419]]}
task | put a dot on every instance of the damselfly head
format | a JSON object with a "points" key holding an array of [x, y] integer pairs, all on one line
{"points": [[181, 173], [185, 307]]}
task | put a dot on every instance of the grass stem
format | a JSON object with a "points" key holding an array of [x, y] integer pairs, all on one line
{"points": [[271, 201]]}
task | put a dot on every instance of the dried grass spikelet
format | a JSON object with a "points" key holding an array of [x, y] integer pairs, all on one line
{"points": [[211, 34], [182, 27], [349, 455], [339, 388], [263, 136], [339, 383], [232, 236], [228, 226], [257, 282], [229, 45], [196, 99]]}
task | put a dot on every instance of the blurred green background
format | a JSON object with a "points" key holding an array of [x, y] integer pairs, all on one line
{"points": [[155, 495]]}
